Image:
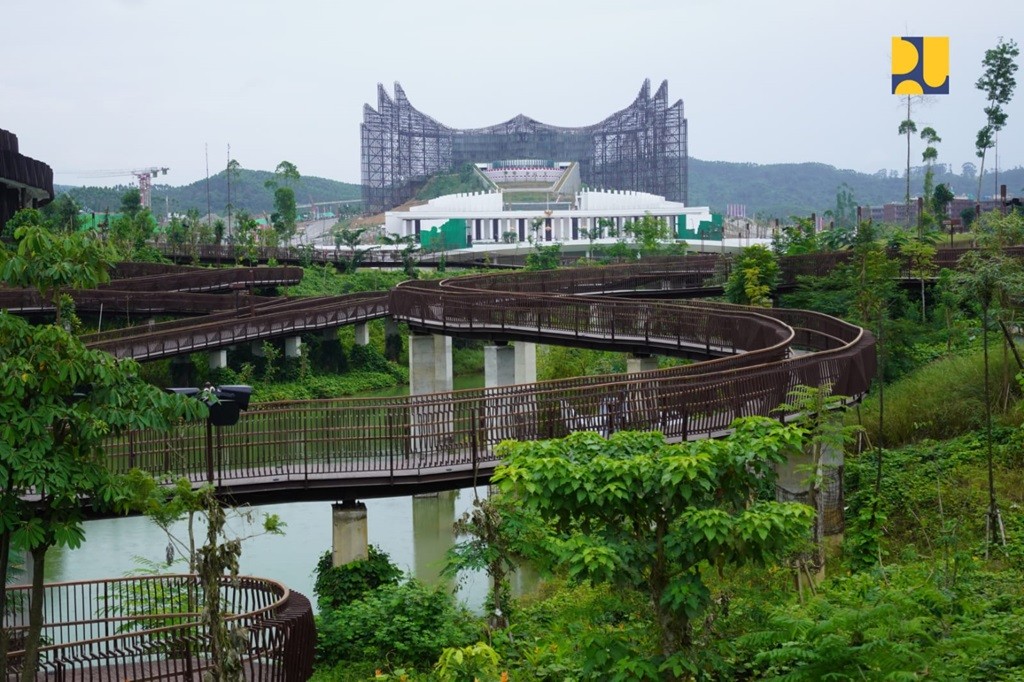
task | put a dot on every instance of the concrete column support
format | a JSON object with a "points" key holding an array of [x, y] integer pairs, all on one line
{"points": [[293, 346], [499, 366], [421, 364], [430, 371], [443, 372], [362, 330], [433, 516], [349, 540], [499, 416], [257, 349], [641, 363], [218, 359], [526, 362]]}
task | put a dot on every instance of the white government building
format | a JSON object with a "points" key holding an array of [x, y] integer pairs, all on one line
{"points": [[485, 218]]}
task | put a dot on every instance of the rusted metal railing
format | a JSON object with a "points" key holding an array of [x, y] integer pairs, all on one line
{"points": [[316, 442], [151, 628]]}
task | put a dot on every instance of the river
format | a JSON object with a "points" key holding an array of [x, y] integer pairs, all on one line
{"points": [[415, 532]]}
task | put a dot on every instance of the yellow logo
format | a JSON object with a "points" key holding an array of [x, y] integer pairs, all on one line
{"points": [[920, 65]]}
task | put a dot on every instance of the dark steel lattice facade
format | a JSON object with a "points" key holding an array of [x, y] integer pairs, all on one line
{"points": [[642, 147]]}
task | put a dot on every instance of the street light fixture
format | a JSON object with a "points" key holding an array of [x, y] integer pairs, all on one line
{"points": [[225, 404]]}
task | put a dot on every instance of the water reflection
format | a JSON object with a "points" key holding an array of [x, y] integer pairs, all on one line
{"points": [[415, 531]]}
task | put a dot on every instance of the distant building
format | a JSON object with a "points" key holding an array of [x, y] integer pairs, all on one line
{"points": [[463, 220], [642, 147], [896, 212], [24, 182]]}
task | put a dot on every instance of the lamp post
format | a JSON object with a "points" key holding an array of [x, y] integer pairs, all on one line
{"points": [[225, 404]]}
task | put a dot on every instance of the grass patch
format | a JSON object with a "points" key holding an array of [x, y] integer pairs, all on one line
{"points": [[943, 399]]}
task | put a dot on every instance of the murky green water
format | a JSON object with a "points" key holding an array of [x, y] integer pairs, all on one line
{"points": [[416, 532]]}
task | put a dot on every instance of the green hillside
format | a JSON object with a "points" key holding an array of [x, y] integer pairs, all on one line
{"points": [[778, 190], [786, 189], [247, 192]]}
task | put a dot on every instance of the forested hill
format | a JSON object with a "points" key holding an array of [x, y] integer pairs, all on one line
{"points": [[247, 192], [778, 190], [782, 190]]}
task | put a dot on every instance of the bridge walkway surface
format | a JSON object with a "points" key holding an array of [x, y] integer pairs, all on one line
{"points": [[368, 447]]}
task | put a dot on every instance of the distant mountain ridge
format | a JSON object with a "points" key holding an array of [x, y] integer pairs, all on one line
{"points": [[784, 189], [776, 190], [247, 192]]}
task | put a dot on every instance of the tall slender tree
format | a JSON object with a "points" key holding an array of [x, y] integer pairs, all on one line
{"points": [[908, 128], [997, 81]]}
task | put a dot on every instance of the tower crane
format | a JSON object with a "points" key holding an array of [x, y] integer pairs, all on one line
{"points": [[144, 176]]}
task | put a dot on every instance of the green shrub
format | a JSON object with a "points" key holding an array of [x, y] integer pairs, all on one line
{"points": [[409, 624], [338, 586]]}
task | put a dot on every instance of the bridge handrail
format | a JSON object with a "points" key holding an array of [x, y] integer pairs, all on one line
{"points": [[263, 306], [152, 627]]}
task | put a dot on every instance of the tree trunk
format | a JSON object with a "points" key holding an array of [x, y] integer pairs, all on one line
{"points": [[908, 161], [924, 316], [5, 565], [981, 175], [993, 510], [35, 615]]}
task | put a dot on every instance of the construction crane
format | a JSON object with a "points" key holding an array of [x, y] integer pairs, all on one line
{"points": [[144, 176]]}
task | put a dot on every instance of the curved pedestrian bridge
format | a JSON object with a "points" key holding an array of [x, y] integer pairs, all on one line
{"points": [[372, 447]]}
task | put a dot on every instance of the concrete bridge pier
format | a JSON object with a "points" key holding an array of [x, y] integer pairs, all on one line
{"points": [[433, 515], [526, 362], [362, 331], [797, 481], [500, 369], [641, 362], [293, 347], [349, 539], [430, 371], [218, 359]]}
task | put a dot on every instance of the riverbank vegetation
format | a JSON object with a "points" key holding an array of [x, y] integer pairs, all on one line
{"points": [[918, 586]]}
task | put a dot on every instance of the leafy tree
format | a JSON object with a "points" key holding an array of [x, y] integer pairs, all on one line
{"points": [[845, 214], [753, 277], [929, 155], [920, 257], [245, 238], [997, 81], [544, 257], [797, 238], [497, 537], [338, 586], [62, 214], [58, 402], [940, 199], [635, 511], [967, 216], [406, 624], [53, 262], [131, 202], [287, 172], [410, 246], [129, 232], [647, 233], [351, 239], [984, 278], [231, 173], [285, 212]]}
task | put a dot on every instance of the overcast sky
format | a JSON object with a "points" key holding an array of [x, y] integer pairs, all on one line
{"points": [[110, 85]]}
